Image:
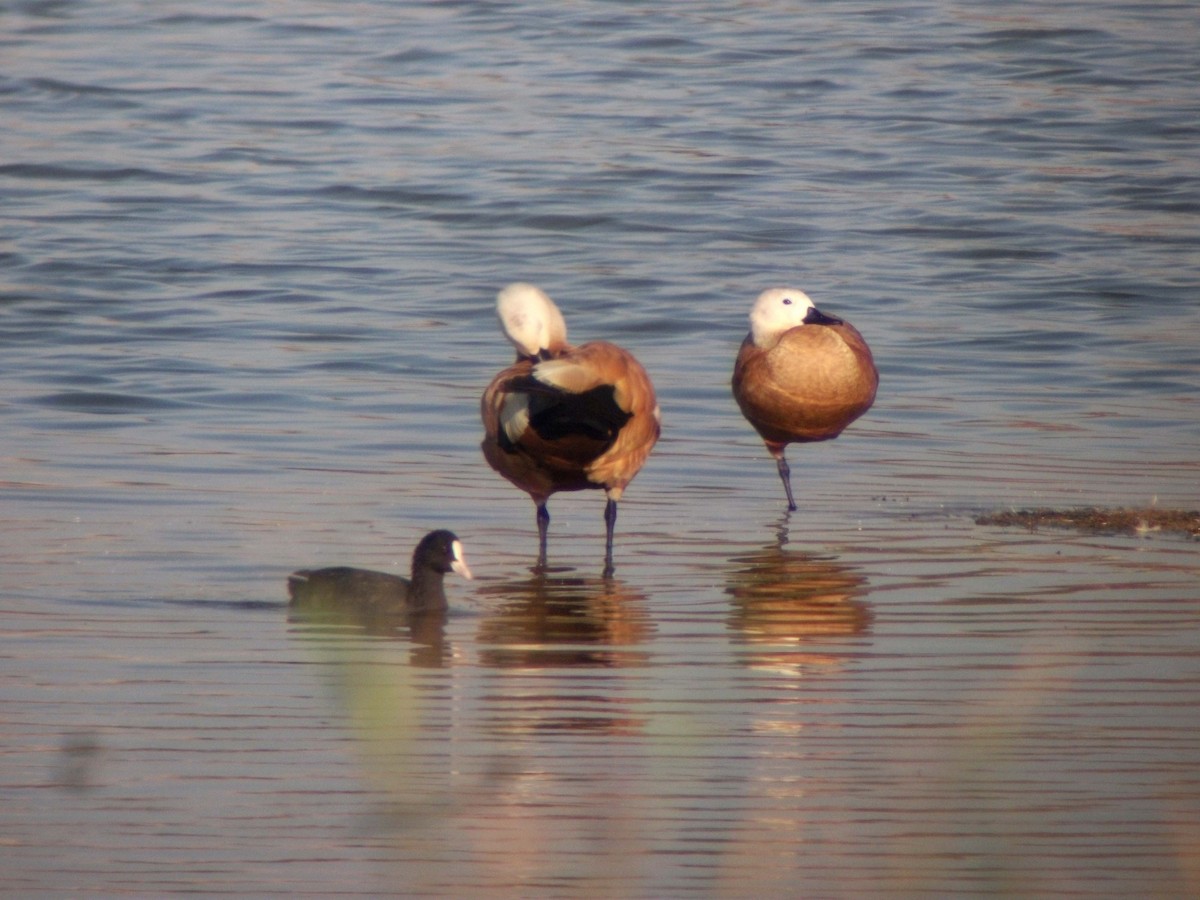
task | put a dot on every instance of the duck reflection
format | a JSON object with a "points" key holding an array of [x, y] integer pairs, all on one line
{"points": [[425, 629], [563, 621], [588, 628], [786, 605]]}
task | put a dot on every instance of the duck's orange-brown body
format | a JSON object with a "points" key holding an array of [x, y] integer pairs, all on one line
{"points": [[569, 418], [801, 376], [592, 428], [809, 386]]}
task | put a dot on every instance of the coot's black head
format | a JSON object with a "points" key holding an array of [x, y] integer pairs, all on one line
{"points": [[441, 551]]}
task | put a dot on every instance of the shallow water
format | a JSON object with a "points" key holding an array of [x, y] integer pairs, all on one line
{"points": [[248, 260]]}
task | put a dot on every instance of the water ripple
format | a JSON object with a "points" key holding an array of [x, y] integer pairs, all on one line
{"points": [[248, 257]]}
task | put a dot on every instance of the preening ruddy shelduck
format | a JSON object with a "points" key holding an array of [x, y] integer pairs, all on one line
{"points": [[565, 418], [801, 375]]}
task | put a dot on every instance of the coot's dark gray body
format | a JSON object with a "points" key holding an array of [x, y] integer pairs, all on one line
{"points": [[366, 591]]}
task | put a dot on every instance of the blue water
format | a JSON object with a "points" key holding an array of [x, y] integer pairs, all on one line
{"points": [[248, 256]]}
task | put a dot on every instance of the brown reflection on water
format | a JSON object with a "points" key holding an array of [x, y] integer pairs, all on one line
{"points": [[545, 624], [563, 621], [787, 605]]}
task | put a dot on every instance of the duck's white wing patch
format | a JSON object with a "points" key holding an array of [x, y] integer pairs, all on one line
{"points": [[514, 416], [566, 375]]}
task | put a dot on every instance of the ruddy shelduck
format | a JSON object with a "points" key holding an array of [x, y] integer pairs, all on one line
{"points": [[565, 418], [801, 375]]}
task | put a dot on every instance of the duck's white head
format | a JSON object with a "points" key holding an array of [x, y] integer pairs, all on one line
{"points": [[530, 319], [781, 309]]}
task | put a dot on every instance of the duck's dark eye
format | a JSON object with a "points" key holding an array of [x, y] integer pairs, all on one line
{"points": [[787, 301]]}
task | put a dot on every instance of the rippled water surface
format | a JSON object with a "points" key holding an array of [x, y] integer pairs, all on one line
{"points": [[248, 255]]}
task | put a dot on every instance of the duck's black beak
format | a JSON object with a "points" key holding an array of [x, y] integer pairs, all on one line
{"points": [[815, 317]]}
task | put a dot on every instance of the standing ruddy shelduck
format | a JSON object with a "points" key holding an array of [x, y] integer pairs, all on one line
{"points": [[800, 375], [565, 418]]}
